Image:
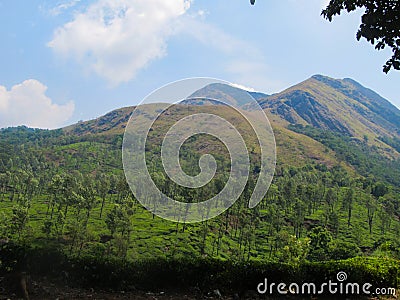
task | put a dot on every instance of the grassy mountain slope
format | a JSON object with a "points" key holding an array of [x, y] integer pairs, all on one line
{"points": [[342, 106], [113, 122], [361, 121], [335, 195]]}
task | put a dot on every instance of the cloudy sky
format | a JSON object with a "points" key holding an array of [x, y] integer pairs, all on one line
{"points": [[67, 60]]}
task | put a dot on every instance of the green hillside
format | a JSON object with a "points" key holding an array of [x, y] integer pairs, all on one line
{"points": [[335, 194], [342, 106]]}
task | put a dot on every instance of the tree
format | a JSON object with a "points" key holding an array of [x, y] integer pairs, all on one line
{"points": [[384, 218], [345, 250], [379, 190], [297, 216], [330, 199], [333, 222], [103, 187], [321, 243], [371, 209], [380, 24], [55, 191], [295, 251], [348, 204], [3, 185], [20, 216], [119, 224], [88, 199]]}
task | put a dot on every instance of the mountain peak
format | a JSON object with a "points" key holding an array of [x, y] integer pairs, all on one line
{"points": [[341, 105], [321, 77], [332, 82]]}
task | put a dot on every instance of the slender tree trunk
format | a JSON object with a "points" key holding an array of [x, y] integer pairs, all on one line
{"points": [[102, 206], [349, 218]]}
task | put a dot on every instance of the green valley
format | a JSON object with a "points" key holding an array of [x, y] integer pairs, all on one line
{"points": [[333, 205]]}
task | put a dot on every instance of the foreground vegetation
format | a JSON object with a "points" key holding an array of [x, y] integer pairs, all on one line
{"points": [[198, 275]]}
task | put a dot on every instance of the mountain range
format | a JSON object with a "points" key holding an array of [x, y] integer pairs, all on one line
{"points": [[341, 107], [334, 196]]}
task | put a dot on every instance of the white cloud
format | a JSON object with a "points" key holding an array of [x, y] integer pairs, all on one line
{"points": [[243, 87], [4, 98], [27, 104], [212, 36], [117, 38], [244, 62], [254, 73], [61, 7]]}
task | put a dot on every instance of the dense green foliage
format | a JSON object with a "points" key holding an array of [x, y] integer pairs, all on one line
{"points": [[69, 192], [75, 191], [366, 159], [187, 273]]}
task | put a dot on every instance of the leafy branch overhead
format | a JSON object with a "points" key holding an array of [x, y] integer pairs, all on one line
{"points": [[380, 24]]}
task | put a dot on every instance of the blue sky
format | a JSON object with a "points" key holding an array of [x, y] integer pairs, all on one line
{"points": [[68, 60]]}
